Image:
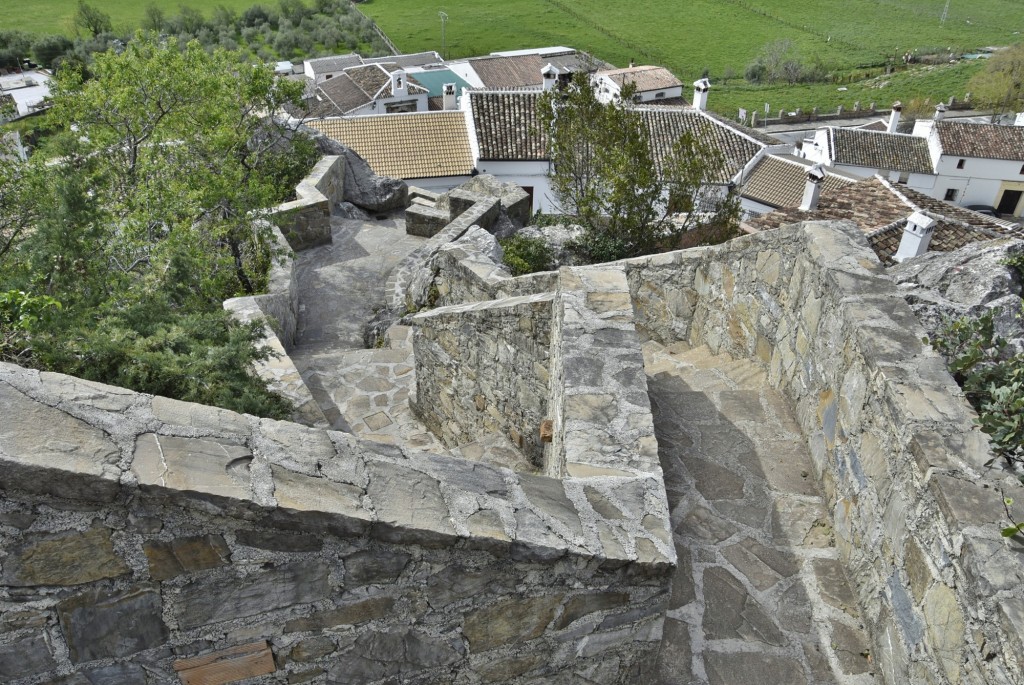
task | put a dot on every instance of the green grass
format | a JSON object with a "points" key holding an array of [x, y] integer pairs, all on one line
{"points": [[722, 37], [54, 16]]}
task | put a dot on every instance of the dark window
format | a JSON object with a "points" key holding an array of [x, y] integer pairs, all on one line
{"points": [[328, 76], [1022, 169], [960, 164], [950, 195], [659, 95]]}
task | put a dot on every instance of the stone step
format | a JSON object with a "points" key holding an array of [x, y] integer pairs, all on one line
{"points": [[760, 594], [497, 450]]}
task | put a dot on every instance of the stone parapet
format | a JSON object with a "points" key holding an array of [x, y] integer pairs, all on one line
{"points": [[483, 368], [306, 221], [144, 536], [917, 512]]}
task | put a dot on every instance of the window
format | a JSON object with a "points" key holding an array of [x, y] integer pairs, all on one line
{"points": [[659, 95], [1022, 170], [904, 177], [960, 164], [328, 76], [950, 195]]}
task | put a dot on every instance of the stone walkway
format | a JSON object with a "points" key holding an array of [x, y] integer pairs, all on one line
{"points": [[760, 596]]}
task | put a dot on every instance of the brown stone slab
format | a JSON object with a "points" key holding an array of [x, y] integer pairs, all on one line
{"points": [[227, 666]]}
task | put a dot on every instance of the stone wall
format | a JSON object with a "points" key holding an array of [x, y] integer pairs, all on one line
{"points": [[145, 539], [306, 220], [483, 368], [916, 512]]}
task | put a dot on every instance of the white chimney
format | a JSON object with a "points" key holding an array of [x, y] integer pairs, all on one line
{"points": [[940, 112], [812, 189], [917, 235], [449, 97], [399, 87], [550, 76], [700, 93], [1019, 121], [894, 116]]}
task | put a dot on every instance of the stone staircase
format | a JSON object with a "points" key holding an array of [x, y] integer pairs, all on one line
{"points": [[760, 594]]}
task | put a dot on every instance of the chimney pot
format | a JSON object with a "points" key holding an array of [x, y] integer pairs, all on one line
{"points": [[894, 116], [448, 97], [812, 189], [940, 112], [700, 93], [917, 236]]}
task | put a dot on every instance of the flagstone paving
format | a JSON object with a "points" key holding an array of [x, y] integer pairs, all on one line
{"points": [[760, 595]]}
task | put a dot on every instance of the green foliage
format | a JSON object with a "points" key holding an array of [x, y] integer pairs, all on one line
{"points": [[147, 222], [20, 317], [525, 255], [14, 47], [607, 176], [991, 378], [46, 49], [92, 19], [778, 62], [1000, 84]]}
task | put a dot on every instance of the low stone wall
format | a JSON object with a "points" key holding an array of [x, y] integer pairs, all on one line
{"points": [[306, 221], [145, 538], [483, 368], [916, 512], [601, 413]]}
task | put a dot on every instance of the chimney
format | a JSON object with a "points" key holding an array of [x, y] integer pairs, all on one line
{"points": [[700, 93], [549, 74], [399, 87], [917, 235], [894, 116], [812, 189], [449, 97], [940, 112], [1019, 121]]}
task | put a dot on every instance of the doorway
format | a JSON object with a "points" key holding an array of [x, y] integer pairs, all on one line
{"points": [[1008, 203]]}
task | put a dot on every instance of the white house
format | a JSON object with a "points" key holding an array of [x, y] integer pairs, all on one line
{"points": [[369, 89], [320, 69], [976, 164], [653, 84], [898, 157]]}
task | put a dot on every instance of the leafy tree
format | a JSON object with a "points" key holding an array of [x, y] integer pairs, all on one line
{"points": [[609, 178], [46, 49], [147, 222], [1001, 84], [154, 18], [14, 47], [92, 19]]}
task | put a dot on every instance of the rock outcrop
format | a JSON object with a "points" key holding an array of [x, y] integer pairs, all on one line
{"points": [[940, 286]]}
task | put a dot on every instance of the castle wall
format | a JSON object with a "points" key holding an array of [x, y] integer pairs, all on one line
{"points": [[145, 540], [917, 513]]}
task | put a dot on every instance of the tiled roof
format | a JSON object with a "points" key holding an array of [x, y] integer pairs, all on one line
{"points": [[415, 145], [507, 125], [666, 125], [413, 59], [981, 140], [322, 65], [877, 150], [508, 128], [523, 71], [759, 136], [881, 211], [644, 77], [779, 181], [358, 86], [343, 94]]}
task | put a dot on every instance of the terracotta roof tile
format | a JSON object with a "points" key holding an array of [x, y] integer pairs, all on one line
{"points": [[415, 145], [881, 211], [981, 140], [666, 125], [523, 71], [322, 65], [643, 77], [877, 150], [507, 125], [779, 181]]}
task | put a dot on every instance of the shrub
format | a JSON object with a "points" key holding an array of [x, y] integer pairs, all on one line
{"points": [[527, 255]]}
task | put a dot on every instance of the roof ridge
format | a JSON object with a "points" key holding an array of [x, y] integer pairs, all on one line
{"points": [[914, 206]]}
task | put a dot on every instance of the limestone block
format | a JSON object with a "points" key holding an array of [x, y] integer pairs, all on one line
{"points": [[579, 606], [729, 668], [513, 620], [69, 459], [347, 614], [363, 568], [199, 416], [279, 541], [297, 492], [202, 601], [395, 655], [25, 656], [183, 555], [945, 627], [98, 624], [69, 558], [193, 464], [405, 497]]}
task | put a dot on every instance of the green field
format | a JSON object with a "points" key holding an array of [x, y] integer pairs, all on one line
{"points": [[54, 16]]}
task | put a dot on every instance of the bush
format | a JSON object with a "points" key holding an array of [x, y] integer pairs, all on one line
{"points": [[527, 255]]}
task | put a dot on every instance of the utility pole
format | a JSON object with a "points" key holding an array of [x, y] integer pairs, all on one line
{"points": [[444, 47]]}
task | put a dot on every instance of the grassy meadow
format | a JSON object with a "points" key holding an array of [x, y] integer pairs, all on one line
{"points": [[54, 16]]}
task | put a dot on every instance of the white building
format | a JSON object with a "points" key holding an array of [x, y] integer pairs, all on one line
{"points": [[653, 85]]}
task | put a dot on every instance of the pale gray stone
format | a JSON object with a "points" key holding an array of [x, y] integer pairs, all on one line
{"points": [[724, 668], [395, 654], [732, 613], [25, 656], [406, 497], [194, 464]]}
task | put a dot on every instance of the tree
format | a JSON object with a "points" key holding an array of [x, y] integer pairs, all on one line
{"points": [[1001, 84], [147, 222], [47, 49], [92, 19], [630, 199]]}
